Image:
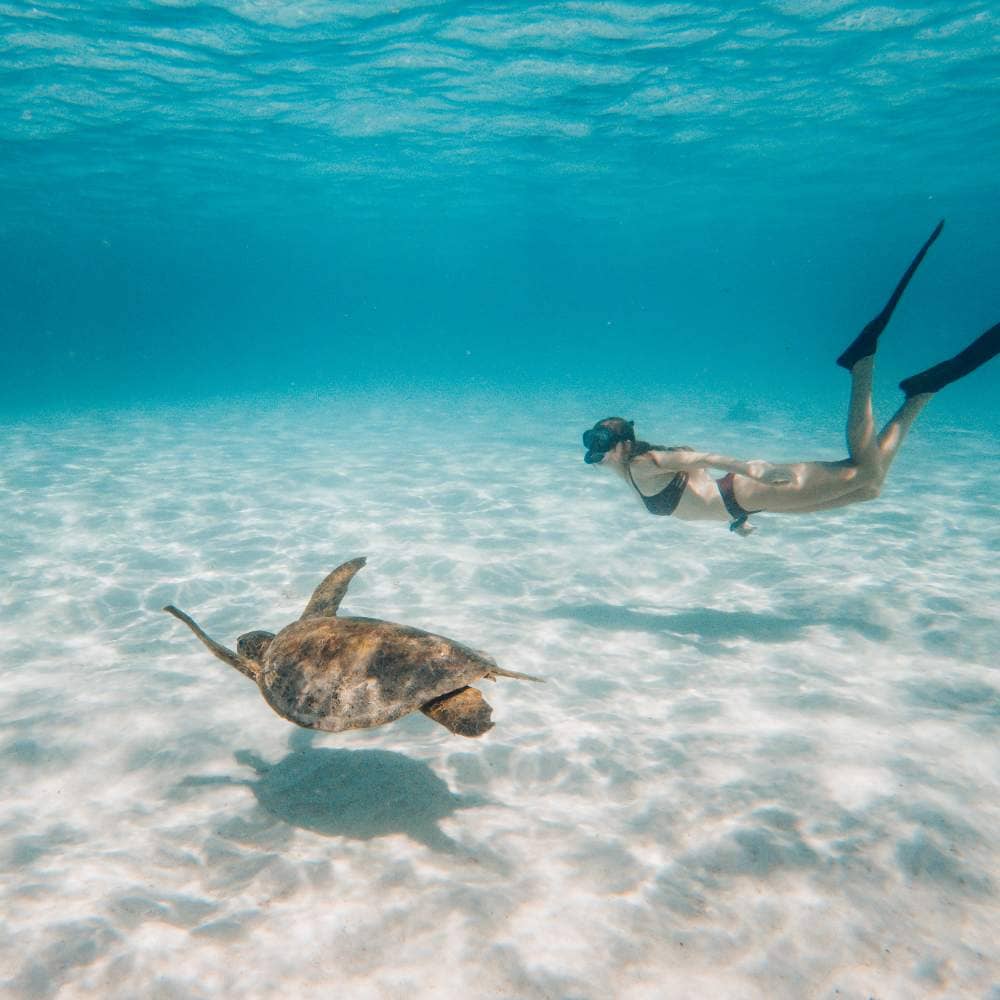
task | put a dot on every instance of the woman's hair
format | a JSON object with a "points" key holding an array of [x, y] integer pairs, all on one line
{"points": [[619, 426], [622, 429]]}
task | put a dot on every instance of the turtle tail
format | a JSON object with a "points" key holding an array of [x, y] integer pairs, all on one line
{"points": [[243, 665], [494, 672]]}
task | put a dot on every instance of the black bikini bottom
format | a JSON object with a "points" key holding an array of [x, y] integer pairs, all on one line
{"points": [[736, 511]]}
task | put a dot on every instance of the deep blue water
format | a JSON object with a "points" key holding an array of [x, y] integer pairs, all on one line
{"points": [[247, 196]]}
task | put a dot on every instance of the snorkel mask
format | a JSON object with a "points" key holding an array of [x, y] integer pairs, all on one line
{"points": [[599, 440]]}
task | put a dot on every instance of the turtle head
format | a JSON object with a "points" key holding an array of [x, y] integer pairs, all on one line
{"points": [[253, 645]]}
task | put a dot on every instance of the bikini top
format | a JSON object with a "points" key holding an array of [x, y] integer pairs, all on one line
{"points": [[665, 502]]}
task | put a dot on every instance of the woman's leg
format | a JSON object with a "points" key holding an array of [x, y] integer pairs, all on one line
{"points": [[813, 486], [891, 436], [888, 442], [981, 350], [872, 464], [819, 486], [860, 419], [824, 485], [844, 500], [920, 390]]}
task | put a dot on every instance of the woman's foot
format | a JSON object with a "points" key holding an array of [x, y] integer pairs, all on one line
{"points": [[981, 350], [865, 343]]}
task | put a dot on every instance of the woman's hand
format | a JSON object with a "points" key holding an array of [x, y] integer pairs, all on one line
{"points": [[765, 472]]}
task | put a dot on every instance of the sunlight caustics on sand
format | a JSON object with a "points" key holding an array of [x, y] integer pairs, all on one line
{"points": [[759, 768]]}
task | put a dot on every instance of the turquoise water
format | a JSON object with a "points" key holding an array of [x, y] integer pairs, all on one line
{"points": [[202, 199], [291, 283]]}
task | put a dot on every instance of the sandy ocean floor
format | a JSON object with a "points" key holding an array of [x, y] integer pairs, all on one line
{"points": [[759, 768]]}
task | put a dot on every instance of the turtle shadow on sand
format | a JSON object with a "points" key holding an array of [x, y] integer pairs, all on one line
{"points": [[359, 794]]}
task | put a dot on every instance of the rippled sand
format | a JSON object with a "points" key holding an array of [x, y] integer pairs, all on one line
{"points": [[760, 768]]}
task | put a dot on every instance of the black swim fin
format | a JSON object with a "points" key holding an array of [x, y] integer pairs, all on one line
{"points": [[865, 343], [984, 347]]}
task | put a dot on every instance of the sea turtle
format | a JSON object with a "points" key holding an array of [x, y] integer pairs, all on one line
{"points": [[330, 673]]}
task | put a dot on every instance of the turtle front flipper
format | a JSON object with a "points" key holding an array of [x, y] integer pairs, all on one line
{"points": [[327, 596], [244, 666], [464, 712]]}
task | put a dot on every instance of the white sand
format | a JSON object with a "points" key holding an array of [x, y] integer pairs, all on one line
{"points": [[760, 768]]}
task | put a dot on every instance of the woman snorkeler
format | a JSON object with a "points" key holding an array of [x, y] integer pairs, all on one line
{"points": [[676, 480]]}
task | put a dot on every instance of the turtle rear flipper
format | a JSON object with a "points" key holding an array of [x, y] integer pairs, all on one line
{"points": [[327, 596], [464, 712]]}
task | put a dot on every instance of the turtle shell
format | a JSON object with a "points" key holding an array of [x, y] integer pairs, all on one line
{"points": [[351, 673]]}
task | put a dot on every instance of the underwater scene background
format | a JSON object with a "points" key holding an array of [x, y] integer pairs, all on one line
{"points": [[289, 283]]}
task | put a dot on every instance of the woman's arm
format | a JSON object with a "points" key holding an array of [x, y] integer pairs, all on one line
{"points": [[684, 461]]}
